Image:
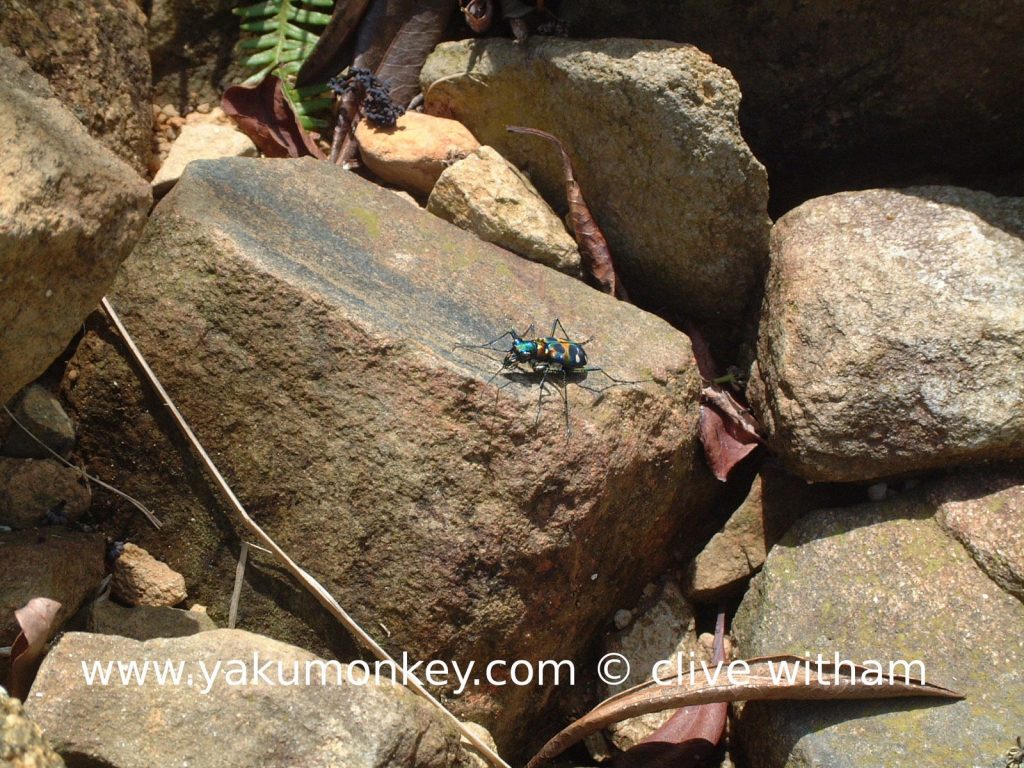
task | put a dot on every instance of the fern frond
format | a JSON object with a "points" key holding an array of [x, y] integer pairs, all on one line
{"points": [[286, 32]]}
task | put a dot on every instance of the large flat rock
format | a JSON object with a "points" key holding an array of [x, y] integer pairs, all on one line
{"points": [[885, 582], [892, 333], [228, 698], [304, 321]]}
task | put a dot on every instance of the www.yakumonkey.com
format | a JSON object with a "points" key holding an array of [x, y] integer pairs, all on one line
{"points": [[613, 669]]}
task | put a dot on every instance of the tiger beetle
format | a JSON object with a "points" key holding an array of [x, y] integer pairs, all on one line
{"points": [[547, 355]]}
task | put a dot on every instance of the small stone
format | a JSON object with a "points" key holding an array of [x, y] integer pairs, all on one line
{"points": [[877, 491], [176, 122], [622, 618], [414, 152], [200, 141], [487, 195], [141, 579], [203, 109], [22, 743], [170, 110], [41, 413], [664, 630], [39, 492]]}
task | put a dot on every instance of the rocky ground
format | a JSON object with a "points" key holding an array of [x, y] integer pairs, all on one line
{"points": [[829, 204]]}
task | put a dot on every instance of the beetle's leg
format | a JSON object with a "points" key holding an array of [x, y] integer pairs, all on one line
{"points": [[565, 402], [614, 381]]}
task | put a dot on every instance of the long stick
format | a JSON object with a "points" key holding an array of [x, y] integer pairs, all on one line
{"points": [[322, 595]]}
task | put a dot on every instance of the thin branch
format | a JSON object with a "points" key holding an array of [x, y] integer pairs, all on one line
{"points": [[134, 502], [236, 593], [322, 595]]}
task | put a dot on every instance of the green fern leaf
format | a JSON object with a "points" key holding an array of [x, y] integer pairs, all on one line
{"points": [[285, 33]]}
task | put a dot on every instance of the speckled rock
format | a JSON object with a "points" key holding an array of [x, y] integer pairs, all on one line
{"points": [[984, 511], [69, 213], [329, 392], [144, 622], [62, 565], [93, 53], [22, 743], [141, 579], [883, 581], [487, 195], [238, 718], [41, 413], [852, 96], [653, 133], [775, 501], [32, 489], [663, 630], [892, 333], [414, 152]]}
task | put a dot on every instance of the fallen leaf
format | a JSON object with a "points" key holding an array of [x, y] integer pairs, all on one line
{"points": [[806, 680], [690, 735], [597, 257], [37, 621], [262, 113], [725, 445], [728, 431]]}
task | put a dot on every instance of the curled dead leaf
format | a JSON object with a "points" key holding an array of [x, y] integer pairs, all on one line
{"points": [[757, 679], [37, 619], [263, 113], [594, 250]]}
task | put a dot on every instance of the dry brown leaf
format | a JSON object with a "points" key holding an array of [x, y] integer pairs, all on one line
{"points": [[264, 115], [37, 619], [691, 734], [725, 446], [597, 257], [758, 684]]}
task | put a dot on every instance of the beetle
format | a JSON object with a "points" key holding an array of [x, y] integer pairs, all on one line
{"points": [[546, 355]]}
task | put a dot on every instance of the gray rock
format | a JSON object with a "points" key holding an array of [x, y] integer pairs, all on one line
{"points": [[32, 488], [39, 411], [22, 743], [656, 146], [69, 213], [892, 333], [851, 96], [883, 581], [235, 721], [775, 501], [328, 391], [144, 622], [984, 511], [62, 565], [93, 52], [487, 195]]}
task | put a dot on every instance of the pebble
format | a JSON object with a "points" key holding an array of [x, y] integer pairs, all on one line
{"points": [[623, 618]]}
